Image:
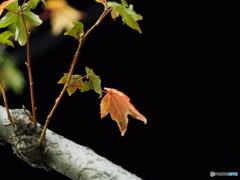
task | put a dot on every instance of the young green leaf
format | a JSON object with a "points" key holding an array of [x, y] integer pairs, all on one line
{"points": [[124, 3], [76, 30], [62, 15], [94, 82], [4, 38], [87, 85], [32, 18], [34, 3], [75, 80], [9, 17], [17, 18], [20, 33], [129, 16], [10, 74]]}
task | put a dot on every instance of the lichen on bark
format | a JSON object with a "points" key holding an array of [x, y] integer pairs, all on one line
{"points": [[25, 140]]}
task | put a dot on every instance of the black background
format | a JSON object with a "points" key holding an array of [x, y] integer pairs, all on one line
{"points": [[181, 73]]}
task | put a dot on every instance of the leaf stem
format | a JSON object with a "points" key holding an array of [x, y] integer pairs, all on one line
{"points": [[79, 79], [28, 64], [83, 86], [13, 12]]}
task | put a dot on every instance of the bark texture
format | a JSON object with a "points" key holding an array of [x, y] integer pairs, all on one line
{"points": [[57, 153]]}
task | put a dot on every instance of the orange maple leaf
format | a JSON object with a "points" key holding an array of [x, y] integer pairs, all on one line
{"points": [[4, 4], [118, 105], [62, 15]]}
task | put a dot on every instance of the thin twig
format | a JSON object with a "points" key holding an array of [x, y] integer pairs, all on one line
{"points": [[13, 11], [5, 101], [28, 64], [72, 67], [105, 12], [27, 113], [57, 101]]}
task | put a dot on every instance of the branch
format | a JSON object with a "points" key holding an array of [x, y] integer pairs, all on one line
{"points": [[58, 153], [29, 68]]}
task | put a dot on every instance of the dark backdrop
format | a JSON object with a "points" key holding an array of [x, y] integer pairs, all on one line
{"points": [[181, 73]]}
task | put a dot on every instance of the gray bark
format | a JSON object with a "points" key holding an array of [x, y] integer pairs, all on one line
{"points": [[57, 152]]}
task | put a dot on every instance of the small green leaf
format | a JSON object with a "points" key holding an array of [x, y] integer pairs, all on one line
{"points": [[8, 19], [10, 74], [13, 6], [75, 83], [34, 3], [124, 3], [27, 6], [32, 18], [129, 16], [63, 79], [4, 38], [15, 17], [94, 81], [20, 33], [76, 30], [87, 85]]}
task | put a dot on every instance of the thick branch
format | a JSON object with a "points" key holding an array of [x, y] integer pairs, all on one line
{"points": [[65, 156]]}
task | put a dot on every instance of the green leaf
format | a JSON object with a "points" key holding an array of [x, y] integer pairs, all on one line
{"points": [[10, 74], [76, 80], [20, 32], [14, 17], [8, 19], [76, 30], [124, 3], [27, 6], [87, 85], [13, 6], [32, 18], [94, 81], [33, 3], [129, 16], [4, 38]]}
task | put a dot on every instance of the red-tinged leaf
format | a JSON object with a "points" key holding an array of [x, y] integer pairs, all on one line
{"points": [[76, 80], [118, 105]]}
